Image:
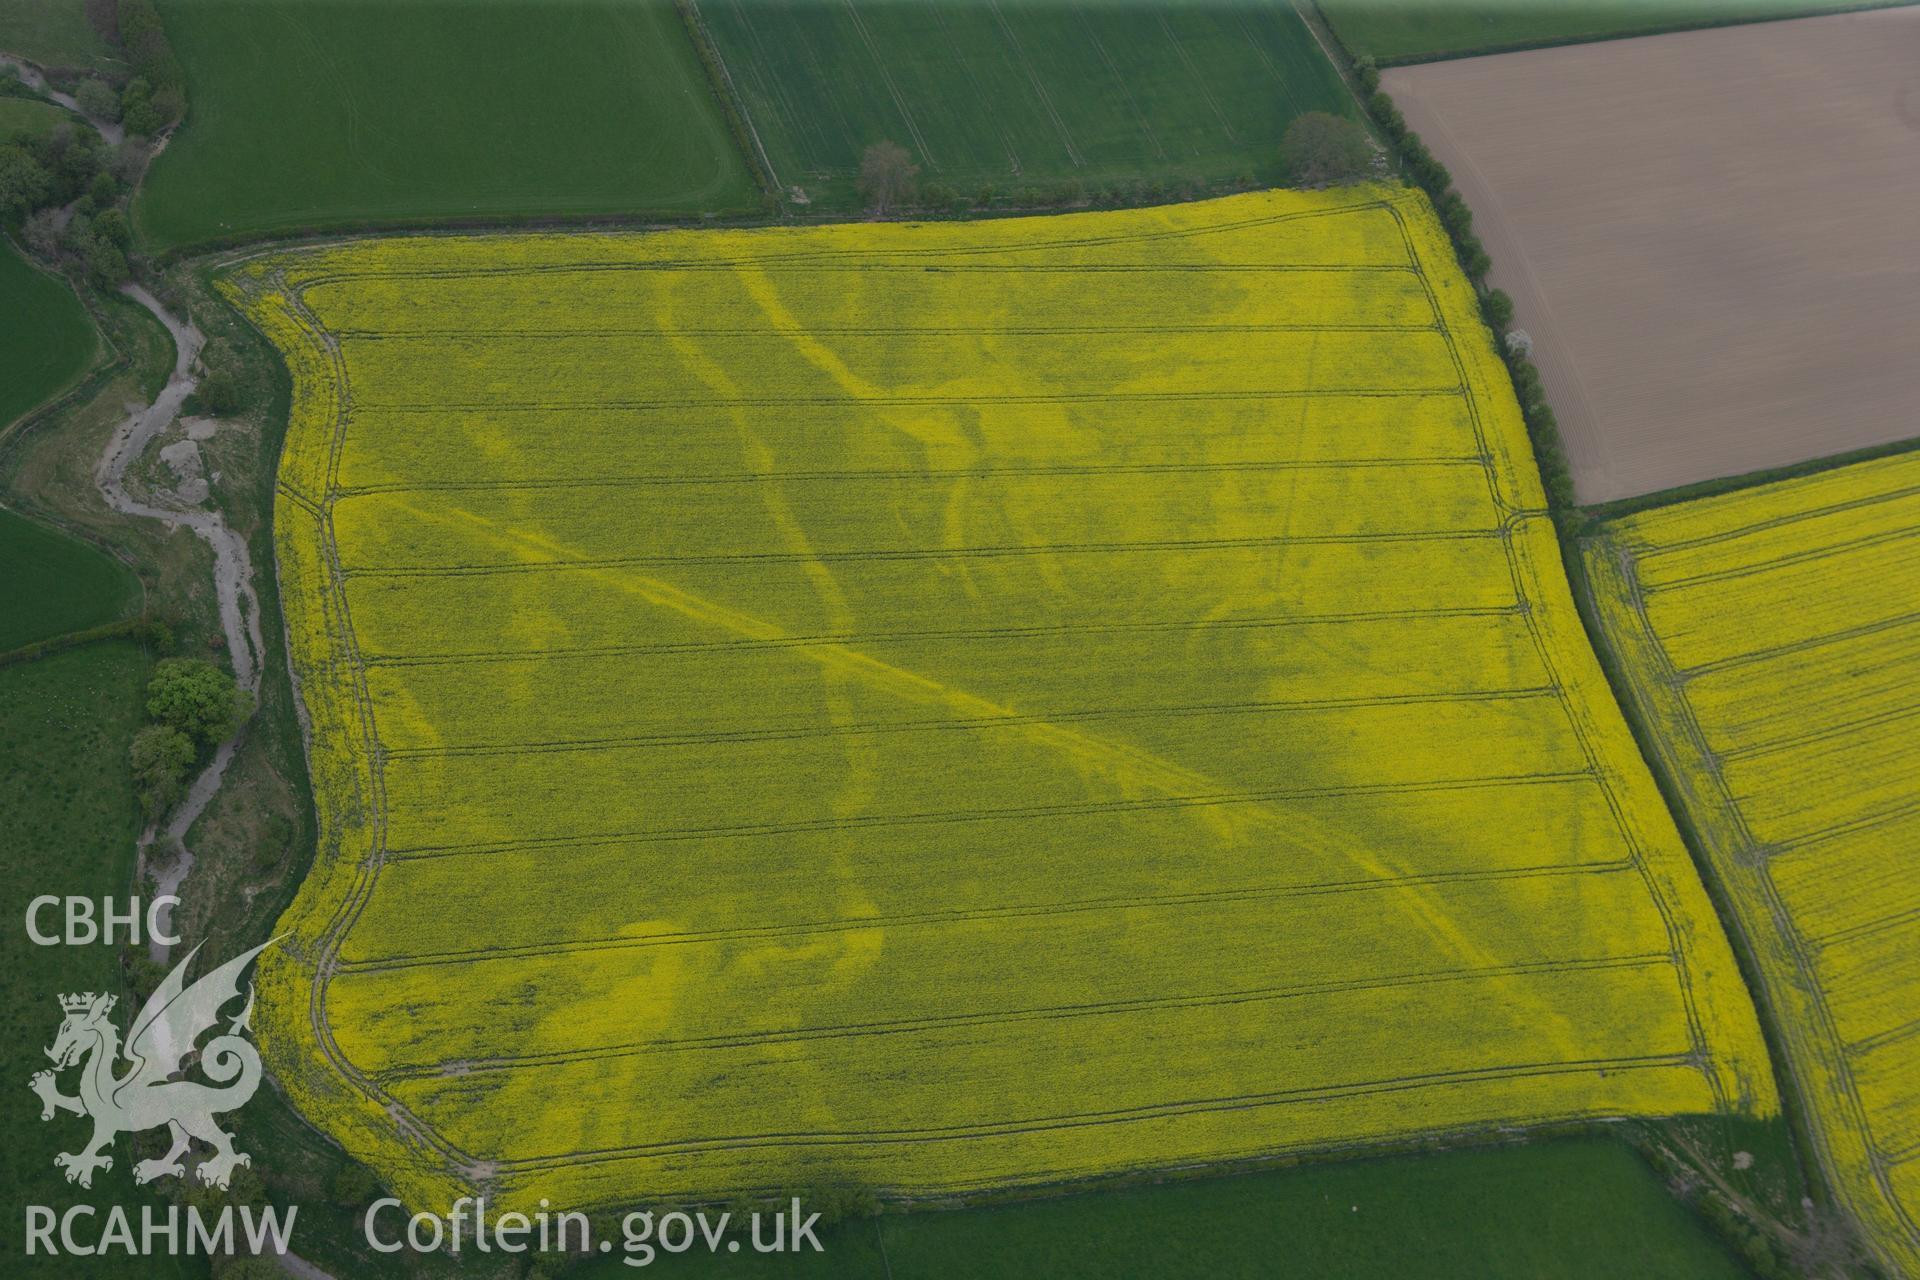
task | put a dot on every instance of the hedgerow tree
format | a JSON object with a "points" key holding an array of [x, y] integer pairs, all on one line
{"points": [[1321, 149], [886, 176], [1499, 308]]}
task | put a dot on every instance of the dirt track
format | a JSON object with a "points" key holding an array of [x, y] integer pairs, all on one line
{"points": [[1710, 236]]}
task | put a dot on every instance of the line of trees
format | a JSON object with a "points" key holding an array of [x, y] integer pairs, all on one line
{"points": [[1425, 168], [890, 182]]}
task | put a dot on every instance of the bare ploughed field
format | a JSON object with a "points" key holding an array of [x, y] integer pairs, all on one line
{"points": [[1713, 237]]}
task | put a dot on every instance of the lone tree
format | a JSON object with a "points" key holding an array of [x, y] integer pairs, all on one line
{"points": [[1320, 150], [886, 176]]}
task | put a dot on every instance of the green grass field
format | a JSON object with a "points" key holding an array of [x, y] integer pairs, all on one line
{"points": [[44, 331], [1576, 1209], [29, 116], [68, 821], [52, 580], [1397, 31], [319, 113], [55, 34], [1021, 93]]}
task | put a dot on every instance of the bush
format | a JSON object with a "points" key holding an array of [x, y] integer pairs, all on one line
{"points": [[160, 757], [106, 265], [41, 234], [222, 387], [1367, 72], [1526, 382], [25, 184], [128, 162], [886, 176], [198, 699], [144, 37], [136, 107], [1473, 257], [1499, 308], [155, 634], [354, 1186], [1454, 214], [169, 104], [1321, 149], [97, 98], [112, 227], [1388, 115]]}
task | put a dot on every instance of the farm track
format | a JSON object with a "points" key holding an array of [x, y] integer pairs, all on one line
{"points": [[1156, 784]]}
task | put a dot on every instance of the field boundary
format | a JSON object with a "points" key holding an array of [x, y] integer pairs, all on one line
{"points": [[733, 108], [1637, 33], [1793, 1107], [105, 358], [1722, 485]]}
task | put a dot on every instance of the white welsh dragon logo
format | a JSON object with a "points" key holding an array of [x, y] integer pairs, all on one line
{"points": [[158, 1045]]}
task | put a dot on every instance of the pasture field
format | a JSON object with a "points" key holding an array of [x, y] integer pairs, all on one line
{"points": [[1770, 640], [29, 116], [68, 821], [44, 331], [1019, 93], [55, 34], [316, 113], [1393, 31], [1575, 1209], [946, 706], [55, 583], [1728, 297]]}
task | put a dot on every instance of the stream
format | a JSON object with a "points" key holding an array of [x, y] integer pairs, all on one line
{"points": [[232, 579]]}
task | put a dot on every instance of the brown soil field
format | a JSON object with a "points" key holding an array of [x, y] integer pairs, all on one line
{"points": [[1709, 236]]}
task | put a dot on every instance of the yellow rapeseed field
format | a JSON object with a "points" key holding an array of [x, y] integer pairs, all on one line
{"points": [[1772, 641], [943, 706]]}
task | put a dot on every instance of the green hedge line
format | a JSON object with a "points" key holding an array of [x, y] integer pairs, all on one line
{"points": [[731, 109], [1426, 170], [148, 630]]}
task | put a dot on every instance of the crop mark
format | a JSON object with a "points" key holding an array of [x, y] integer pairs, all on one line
{"points": [[1010, 719], [1010, 551], [1007, 1017], [1204, 800]]}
